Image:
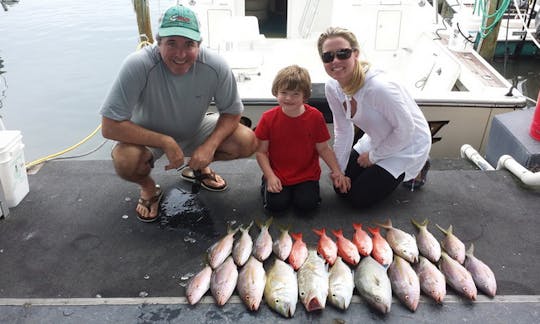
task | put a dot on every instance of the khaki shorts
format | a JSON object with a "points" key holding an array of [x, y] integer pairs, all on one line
{"points": [[190, 145]]}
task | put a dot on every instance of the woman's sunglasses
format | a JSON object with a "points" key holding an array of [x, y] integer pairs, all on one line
{"points": [[341, 54]]}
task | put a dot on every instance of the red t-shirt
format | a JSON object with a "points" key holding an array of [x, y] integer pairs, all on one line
{"points": [[291, 143]]}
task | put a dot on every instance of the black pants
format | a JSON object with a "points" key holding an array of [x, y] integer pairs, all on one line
{"points": [[304, 196], [368, 185]]}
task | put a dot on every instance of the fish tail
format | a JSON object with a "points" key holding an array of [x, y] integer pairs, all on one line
{"points": [[247, 228], [296, 236], [268, 222], [283, 228], [387, 224], [338, 232], [443, 230], [470, 250], [419, 225], [373, 230], [320, 232]]}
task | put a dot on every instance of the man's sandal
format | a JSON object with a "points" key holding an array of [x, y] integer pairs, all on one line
{"points": [[147, 203], [188, 175]]}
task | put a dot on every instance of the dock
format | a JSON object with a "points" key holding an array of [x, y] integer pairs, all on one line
{"points": [[73, 250]]}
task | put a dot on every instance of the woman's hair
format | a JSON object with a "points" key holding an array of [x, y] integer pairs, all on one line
{"points": [[292, 77], [360, 68]]}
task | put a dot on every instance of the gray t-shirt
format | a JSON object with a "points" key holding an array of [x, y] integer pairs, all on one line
{"points": [[148, 94]]}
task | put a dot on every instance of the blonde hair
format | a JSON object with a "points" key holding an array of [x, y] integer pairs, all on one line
{"points": [[360, 68], [292, 77]]}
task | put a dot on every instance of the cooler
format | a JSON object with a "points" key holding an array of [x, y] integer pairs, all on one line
{"points": [[12, 167]]}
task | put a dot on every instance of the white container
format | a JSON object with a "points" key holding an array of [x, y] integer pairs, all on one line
{"points": [[12, 167]]}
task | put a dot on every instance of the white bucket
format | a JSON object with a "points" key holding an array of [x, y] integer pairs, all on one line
{"points": [[465, 30], [12, 167]]}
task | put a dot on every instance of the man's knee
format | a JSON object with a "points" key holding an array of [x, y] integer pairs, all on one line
{"points": [[241, 144], [248, 142], [131, 161]]}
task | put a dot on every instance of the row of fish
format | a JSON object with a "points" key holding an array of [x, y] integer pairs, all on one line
{"points": [[401, 264]]}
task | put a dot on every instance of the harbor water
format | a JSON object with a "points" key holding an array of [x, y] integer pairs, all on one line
{"points": [[58, 59]]}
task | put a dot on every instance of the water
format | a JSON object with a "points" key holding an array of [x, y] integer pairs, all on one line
{"points": [[58, 59]]}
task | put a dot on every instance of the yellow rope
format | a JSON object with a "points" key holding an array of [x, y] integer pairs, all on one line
{"points": [[141, 44], [52, 156]]}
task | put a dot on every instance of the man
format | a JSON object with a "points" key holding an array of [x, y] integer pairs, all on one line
{"points": [[158, 105]]}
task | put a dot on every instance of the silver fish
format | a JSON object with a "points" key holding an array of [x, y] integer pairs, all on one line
{"points": [[263, 243], [427, 244], [404, 282], [251, 282], [198, 285], [483, 276], [457, 276], [432, 281], [282, 247], [452, 245], [340, 284], [281, 289], [243, 246], [402, 243], [313, 282], [218, 252], [223, 281], [373, 284]]}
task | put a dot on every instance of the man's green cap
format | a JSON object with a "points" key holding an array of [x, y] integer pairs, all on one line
{"points": [[180, 21]]}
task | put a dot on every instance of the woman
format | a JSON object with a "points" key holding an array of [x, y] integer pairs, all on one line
{"points": [[396, 141]]}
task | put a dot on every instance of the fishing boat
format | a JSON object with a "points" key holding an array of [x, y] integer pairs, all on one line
{"points": [[515, 23], [458, 91]]}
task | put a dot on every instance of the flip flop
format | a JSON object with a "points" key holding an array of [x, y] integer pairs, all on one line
{"points": [[147, 203], [188, 175]]}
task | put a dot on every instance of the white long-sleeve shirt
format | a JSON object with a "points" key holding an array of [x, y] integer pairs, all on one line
{"points": [[397, 135]]}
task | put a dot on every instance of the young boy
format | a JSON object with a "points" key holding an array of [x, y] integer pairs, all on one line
{"points": [[292, 136]]}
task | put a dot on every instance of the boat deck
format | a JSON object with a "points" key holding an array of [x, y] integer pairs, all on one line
{"points": [[73, 250]]}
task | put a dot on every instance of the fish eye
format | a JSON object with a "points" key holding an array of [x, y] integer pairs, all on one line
{"points": [[277, 301]]}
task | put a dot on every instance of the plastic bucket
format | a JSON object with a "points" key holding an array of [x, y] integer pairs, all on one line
{"points": [[12, 167]]}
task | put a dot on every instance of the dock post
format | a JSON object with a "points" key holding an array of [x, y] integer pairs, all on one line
{"points": [[142, 10], [487, 46]]}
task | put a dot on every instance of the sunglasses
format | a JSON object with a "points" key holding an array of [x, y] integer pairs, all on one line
{"points": [[341, 54]]}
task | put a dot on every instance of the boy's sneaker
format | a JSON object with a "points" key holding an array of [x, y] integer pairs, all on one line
{"points": [[420, 180]]}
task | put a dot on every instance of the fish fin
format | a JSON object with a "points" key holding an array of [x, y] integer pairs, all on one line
{"points": [[374, 230], [357, 226], [319, 232]]}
